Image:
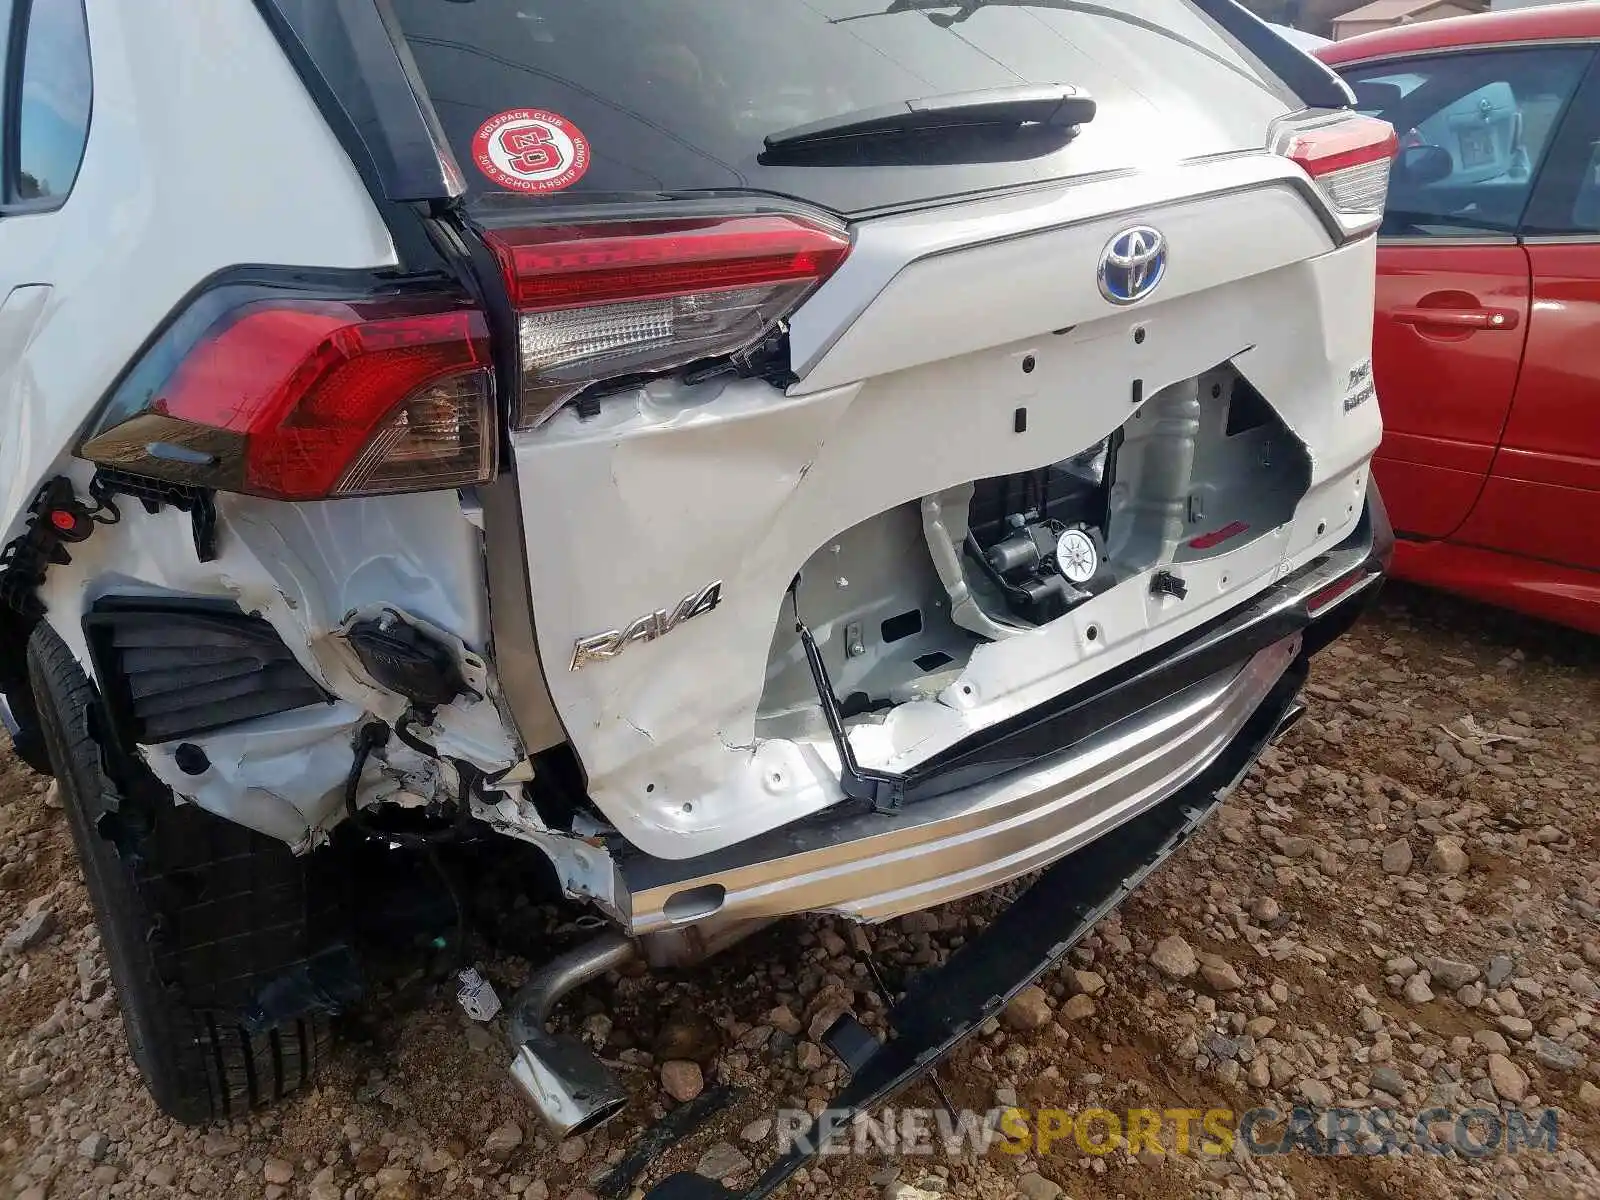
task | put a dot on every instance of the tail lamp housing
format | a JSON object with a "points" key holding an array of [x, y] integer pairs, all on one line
{"points": [[617, 299], [1347, 155], [308, 395]]}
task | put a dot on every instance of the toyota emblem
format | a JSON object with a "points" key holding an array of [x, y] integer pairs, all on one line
{"points": [[1133, 264]]}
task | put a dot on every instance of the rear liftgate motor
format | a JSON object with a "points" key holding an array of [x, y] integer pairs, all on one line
{"points": [[1040, 536]]}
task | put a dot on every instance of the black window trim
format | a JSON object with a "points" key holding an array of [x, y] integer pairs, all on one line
{"points": [[1317, 84], [360, 73], [15, 60], [1544, 200]]}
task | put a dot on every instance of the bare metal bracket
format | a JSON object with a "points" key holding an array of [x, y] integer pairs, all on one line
{"points": [[886, 793]]}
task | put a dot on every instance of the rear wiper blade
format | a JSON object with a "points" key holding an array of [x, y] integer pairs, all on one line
{"points": [[1056, 104]]}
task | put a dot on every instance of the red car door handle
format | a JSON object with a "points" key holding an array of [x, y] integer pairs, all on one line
{"points": [[1458, 318]]}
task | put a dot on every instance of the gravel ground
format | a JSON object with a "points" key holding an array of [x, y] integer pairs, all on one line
{"points": [[1400, 907]]}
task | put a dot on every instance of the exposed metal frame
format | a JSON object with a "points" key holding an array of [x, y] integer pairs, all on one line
{"points": [[1057, 790], [1280, 612]]}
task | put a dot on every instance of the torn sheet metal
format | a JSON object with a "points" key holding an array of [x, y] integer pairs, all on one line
{"points": [[306, 569]]}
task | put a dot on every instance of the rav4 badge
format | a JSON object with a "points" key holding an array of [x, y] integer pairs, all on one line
{"points": [[648, 628]]}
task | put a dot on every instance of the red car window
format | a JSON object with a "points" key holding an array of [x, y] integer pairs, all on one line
{"points": [[1474, 129]]}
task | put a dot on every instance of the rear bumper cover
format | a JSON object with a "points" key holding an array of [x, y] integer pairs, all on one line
{"points": [[946, 1005], [1026, 793]]}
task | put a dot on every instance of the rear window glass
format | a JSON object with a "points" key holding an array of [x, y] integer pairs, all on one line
{"points": [[600, 98]]}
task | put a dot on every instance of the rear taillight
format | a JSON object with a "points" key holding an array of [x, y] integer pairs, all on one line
{"points": [[305, 397], [617, 299], [1347, 156]]}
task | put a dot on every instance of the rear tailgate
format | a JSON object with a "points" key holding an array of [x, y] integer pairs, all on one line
{"points": [[965, 337], [673, 488]]}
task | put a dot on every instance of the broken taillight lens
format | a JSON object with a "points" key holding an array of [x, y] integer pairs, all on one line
{"points": [[610, 300], [308, 398], [1347, 156]]}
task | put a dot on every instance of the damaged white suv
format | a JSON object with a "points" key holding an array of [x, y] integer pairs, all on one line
{"points": [[789, 457]]}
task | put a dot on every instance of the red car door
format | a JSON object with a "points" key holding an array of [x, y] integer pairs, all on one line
{"points": [[1446, 344], [1454, 285], [1542, 499]]}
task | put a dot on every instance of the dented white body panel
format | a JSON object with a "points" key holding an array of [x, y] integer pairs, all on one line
{"points": [[671, 488], [181, 178], [658, 540], [307, 568]]}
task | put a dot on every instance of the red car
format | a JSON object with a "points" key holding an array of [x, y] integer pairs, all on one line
{"points": [[1486, 347]]}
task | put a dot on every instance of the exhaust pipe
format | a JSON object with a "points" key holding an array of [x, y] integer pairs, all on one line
{"points": [[7, 721], [571, 1089]]}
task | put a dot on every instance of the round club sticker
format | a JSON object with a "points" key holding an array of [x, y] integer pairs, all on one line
{"points": [[530, 150]]}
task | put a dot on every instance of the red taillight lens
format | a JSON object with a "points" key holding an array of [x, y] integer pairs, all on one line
{"points": [[1347, 156], [601, 301], [306, 399]]}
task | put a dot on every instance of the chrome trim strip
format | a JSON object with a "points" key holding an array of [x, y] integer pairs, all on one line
{"points": [[1275, 170], [875, 868], [1360, 587], [518, 665], [1487, 239]]}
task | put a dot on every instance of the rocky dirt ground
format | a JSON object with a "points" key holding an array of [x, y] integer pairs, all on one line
{"points": [[1401, 907]]}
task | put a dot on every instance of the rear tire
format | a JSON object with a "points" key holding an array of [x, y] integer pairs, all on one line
{"points": [[28, 741], [196, 914]]}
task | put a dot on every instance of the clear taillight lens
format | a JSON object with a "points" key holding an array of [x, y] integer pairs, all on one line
{"points": [[1359, 190], [618, 299], [566, 350], [1347, 156], [442, 436]]}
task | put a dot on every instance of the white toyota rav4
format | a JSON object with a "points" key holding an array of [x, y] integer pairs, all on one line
{"points": [[799, 456]]}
